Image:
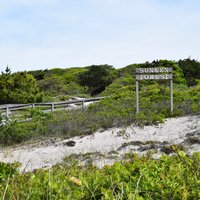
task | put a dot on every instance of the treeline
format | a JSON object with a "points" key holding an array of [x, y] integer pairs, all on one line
{"points": [[43, 85]]}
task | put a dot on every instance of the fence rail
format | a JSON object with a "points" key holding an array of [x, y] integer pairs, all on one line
{"points": [[51, 105]]}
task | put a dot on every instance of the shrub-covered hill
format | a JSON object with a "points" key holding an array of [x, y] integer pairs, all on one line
{"points": [[75, 81], [118, 109], [42, 85], [58, 81]]}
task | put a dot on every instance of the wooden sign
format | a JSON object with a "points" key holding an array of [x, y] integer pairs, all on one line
{"points": [[154, 77], [153, 70], [154, 73]]}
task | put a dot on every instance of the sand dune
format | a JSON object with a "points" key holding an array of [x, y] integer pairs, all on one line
{"points": [[109, 145]]}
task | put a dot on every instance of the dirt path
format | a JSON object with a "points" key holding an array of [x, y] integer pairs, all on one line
{"points": [[182, 130]]}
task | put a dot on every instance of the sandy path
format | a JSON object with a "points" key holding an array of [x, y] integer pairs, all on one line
{"points": [[173, 131]]}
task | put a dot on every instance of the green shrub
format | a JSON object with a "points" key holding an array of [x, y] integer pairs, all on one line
{"points": [[170, 177]]}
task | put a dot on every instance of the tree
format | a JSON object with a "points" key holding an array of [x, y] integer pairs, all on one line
{"points": [[18, 88], [7, 71], [51, 85], [191, 70], [178, 76], [97, 78], [38, 74]]}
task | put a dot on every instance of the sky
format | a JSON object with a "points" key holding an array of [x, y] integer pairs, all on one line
{"points": [[45, 34]]}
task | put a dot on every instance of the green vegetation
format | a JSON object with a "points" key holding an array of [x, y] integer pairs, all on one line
{"points": [[18, 88], [118, 109], [57, 81], [170, 177], [60, 84], [191, 70], [97, 78], [115, 111]]}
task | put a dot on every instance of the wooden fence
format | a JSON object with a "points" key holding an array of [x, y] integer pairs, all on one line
{"points": [[9, 109]]}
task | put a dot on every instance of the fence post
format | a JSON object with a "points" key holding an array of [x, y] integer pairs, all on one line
{"points": [[7, 112], [52, 107], [83, 104], [33, 105]]}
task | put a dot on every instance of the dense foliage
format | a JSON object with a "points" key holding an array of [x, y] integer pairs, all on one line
{"points": [[97, 78], [18, 88], [191, 70], [49, 85], [170, 177], [57, 81]]}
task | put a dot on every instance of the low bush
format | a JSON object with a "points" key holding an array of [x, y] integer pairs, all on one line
{"points": [[170, 177]]}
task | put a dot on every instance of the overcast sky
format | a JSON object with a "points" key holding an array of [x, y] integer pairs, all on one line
{"points": [[40, 34]]}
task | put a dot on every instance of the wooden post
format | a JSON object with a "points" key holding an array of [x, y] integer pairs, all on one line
{"points": [[171, 96], [52, 107], [83, 104], [137, 98], [33, 105], [7, 112]]}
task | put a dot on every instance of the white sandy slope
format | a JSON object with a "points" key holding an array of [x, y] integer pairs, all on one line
{"points": [[173, 131]]}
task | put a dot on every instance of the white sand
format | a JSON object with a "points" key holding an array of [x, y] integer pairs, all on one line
{"points": [[173, 131]]}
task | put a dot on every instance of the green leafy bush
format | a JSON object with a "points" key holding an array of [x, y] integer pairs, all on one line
{"points": [[8, 170], [97, 78], [191, 70], [170, 177], [19, 87]]}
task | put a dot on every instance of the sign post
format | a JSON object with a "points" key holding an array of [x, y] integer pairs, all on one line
{"points": [[137, 98], [154, 73], [171, 96]]}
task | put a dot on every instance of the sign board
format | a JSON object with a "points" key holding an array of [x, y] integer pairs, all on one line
{"points": [[153, 70], [154, 77], [154, 73]]}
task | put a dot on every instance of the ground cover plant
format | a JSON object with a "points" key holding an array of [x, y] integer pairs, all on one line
{"points": [[170, 177]]}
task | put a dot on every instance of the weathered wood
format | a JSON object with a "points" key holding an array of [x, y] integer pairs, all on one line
{"points": [[82, 104], [137, 98], [153, 70], [50, 105], [7, 112], [153, 77], [157, 73], [171, 96]]}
